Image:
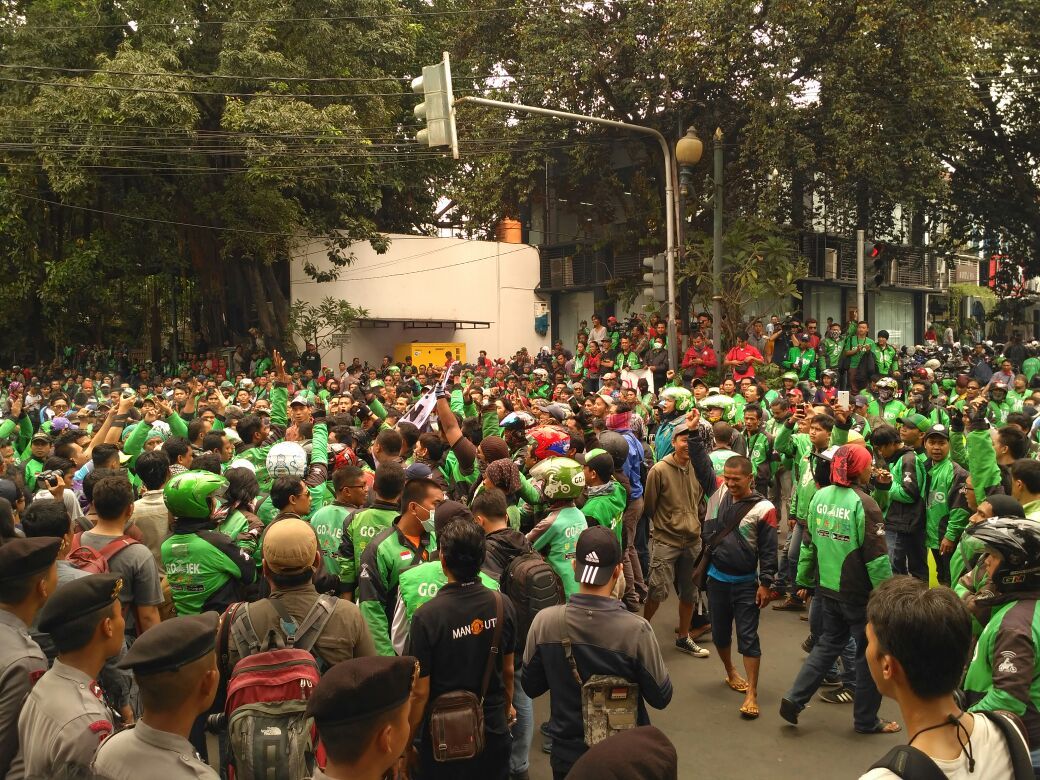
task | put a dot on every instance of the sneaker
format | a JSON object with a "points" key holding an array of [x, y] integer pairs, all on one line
{"points": [[687, 645], [808, 644], [832, 681], [789, 711], [840, 695], [790, 604]]}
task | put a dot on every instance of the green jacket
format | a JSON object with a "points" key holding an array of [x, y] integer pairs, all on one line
{"points": [[884, 359], [889, 412], [206, 569], [605, 504], [802, 362], [388, 555], [830, 354], [329, 523], [798, 446], [1030, 367], [415, 587], [845, 544], [854, 341], [1004, 673], [365, 526], [279, 419], [940, 487], [556, 536]]}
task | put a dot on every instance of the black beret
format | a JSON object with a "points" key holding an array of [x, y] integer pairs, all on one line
{"points": [[77, 598], [21, 558], [362, 688], [172, 644], [642, 753]]}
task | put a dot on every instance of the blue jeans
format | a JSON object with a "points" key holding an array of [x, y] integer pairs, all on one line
{"points": [[523, 729], [840, 622], [848, 655]]}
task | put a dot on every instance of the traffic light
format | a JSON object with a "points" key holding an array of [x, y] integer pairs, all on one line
{"points": [[437, 111], [657, 278], [882, 258]]}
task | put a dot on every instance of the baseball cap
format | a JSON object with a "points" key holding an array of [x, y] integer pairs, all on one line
{"points": [[915, 420], [300, 399], [289, 546], [938, 430], [860, 400], [597, 553], [41, 437]]}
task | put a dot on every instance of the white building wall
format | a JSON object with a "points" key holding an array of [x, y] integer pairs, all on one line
{"points": [[431, 278]]}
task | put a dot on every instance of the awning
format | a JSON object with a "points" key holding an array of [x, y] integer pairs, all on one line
{"points": [[421, 324]]}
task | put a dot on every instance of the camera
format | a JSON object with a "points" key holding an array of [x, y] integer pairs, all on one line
{"points": [[128, 393], [48, 479]]}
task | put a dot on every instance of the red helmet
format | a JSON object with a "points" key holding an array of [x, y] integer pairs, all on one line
{"points": [[548, 441]]}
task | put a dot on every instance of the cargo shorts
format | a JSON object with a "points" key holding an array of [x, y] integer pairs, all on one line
{"points": [[672, 567]]}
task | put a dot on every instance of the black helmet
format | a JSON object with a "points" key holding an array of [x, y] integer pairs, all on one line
{"points": [[616, 444], [1017, 540]]}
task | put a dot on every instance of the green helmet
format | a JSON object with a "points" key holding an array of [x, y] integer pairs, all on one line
{"points": [[683, 398], [188, 493], [562, 479], [789, 375]]}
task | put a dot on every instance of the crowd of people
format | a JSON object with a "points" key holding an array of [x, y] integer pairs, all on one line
{"points": [[372, 569]]}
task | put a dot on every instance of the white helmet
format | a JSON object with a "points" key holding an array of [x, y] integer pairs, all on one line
{"points": [[932, 364], [541, 373], [887, 381], [242, 463], [286, 459]]}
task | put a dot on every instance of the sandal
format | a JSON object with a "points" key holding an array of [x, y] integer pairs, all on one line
{"points": [[749, 711], [739, 685], [882, 727]]}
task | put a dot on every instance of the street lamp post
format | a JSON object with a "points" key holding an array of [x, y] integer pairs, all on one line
{"points": [[688, 151], [716, 260]]}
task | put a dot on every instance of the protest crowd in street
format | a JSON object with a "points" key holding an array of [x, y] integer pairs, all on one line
{"points": [[371, 569]]}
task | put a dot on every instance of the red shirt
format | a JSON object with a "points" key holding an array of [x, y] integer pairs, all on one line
{"points": [[707, 354], [742, 354]]}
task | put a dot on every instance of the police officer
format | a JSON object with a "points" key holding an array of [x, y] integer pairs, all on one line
{"points": [[28, 576], [361, 710], [65, 718], [175, 666]]}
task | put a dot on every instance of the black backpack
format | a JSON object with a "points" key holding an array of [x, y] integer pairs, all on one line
{"points": [[532, 585], [913, 764]]}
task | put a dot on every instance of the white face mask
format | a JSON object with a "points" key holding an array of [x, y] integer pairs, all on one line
{"points": [[428, 523]]}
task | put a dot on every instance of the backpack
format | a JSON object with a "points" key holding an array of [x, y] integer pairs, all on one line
{"points": [[532, 585], [96, 561], [913, 764], [269, 737], [609, 703]]}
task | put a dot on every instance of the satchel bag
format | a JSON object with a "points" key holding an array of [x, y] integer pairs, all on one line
{"points": [[457, 717], [700, 566]]}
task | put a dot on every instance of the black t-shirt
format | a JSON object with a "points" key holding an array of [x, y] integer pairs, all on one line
{"points": [[451, 636]]}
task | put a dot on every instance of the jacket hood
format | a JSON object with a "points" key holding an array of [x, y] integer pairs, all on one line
{"points": [[507, 542]]}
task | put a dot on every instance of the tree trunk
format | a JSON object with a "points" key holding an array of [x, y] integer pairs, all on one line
{"points": [[264, 310]]}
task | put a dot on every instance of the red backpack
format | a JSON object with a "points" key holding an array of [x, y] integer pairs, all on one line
{"points": [[96, 561]]}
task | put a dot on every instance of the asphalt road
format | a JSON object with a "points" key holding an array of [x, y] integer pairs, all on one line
{"points": [[714, 742]]}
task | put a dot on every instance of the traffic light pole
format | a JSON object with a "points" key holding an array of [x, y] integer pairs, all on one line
{"points": [[669, 199], [861, 311]]}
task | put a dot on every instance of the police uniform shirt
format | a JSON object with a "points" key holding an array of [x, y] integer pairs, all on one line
{"points": [[22, 663], [142, 750], [63, 721]]}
